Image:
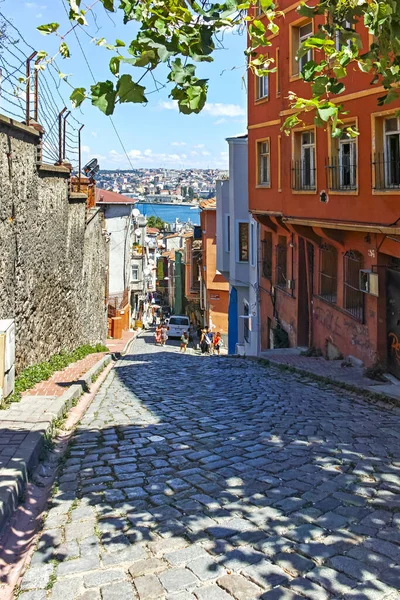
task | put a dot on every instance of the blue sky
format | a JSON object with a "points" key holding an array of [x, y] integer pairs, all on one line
{"points": [[156, 134]]}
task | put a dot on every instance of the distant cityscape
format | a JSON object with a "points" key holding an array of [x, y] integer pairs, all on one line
{"points": [[162, 185]]}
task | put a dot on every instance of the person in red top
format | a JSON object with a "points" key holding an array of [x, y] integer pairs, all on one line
{"points": [[217, 342]]}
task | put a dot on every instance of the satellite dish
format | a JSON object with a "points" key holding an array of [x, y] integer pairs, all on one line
{"points": [[147, 240], [135, 212], [138, 232]]}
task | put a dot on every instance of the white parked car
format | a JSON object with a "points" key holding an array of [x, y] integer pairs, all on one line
{"points": [[177, 325]]}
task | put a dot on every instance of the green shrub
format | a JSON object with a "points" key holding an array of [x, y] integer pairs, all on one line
{"points": [[30, 376]]}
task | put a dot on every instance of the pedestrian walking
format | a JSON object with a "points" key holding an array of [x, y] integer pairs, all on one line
{"points": [[217, 343], [210, 340], [184, 342], [164, 335], [157, 335], [203, 341]]}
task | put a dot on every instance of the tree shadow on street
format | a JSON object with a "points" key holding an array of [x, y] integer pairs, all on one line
{"points": [[264, 475]]}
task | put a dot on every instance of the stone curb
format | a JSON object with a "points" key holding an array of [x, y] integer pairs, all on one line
{"points": [[13, 480], [367, 394]]}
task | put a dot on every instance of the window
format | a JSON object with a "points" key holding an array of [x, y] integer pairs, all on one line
{"points": [[281, 262], [264, 163], [300, 34], [386, 163], [135, 273], [342, 167], [262, 87], [353, 297], [252, 244], [246, 328], [328, 273], [179, 321], [243, 242], [267, 255], [303, 169], [227, 233], [392, 152]]}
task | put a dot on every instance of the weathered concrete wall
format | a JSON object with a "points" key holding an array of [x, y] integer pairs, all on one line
{"points": [[52, 254]]}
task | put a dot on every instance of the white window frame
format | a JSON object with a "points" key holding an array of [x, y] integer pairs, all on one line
{"points": [[262, 83], [302, 38], [264, 156], [388, 134], [238, 223], [303, 147], [136, 267], [253, 233], [353, 162]]}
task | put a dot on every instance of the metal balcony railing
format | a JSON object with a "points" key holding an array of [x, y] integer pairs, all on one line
{"points": [[341, 173], [386, 171], [303, 175]]}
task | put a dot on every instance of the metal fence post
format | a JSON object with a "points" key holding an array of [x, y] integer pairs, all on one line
{"points": [[80, 158], [60, 135], [28, 86]]}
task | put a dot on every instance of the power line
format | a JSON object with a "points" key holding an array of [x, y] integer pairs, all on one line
{"points": [[94, 81]]}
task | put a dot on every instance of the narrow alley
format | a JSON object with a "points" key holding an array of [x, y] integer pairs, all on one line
{"points": [[214, 478]]}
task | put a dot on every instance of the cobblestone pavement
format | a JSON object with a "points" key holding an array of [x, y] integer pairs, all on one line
{"points": [[212, 478]]}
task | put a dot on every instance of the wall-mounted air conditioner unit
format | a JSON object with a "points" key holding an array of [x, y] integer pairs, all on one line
{"points": [[369, 283], [7, 357]]}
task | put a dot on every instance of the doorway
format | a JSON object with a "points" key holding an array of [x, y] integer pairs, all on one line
{"points": [[393, 320]]}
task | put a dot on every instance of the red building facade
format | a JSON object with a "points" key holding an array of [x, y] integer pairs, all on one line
{"points": [[329, 211]]}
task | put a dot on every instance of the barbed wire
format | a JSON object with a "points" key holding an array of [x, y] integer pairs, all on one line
{"points": [[61, 137]]}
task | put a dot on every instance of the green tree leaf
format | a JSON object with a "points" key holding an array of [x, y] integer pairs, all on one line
{"points": [[77, 97], [104, 96], [49, 28], [108, 5], [327, 112], [129, 91], [114, 65], [64, 50]]}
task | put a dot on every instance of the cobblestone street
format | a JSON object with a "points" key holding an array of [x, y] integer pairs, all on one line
{"points": [[212, 478]]}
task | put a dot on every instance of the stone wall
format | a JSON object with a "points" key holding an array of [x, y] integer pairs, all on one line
{"points": [[53, 256]]}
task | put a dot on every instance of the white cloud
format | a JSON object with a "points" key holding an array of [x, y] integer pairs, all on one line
{"points": [[39, 16], [215, 109], [86, 149], [205, 153], [199, 146], [220, 121], [134, 153], [94, 134], [224, 110], [147, 152], [169, 105], [178, 144], [31, 5]]}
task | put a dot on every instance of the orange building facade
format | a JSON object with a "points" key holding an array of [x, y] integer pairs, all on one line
{"points": [[329, 211], [214, 288]]}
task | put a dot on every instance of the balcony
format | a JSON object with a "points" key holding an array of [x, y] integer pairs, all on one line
{"points": [[341, 174], [303, 175], [386, 172]]}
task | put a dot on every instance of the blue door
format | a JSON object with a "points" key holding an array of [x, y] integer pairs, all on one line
{"points": [[233, 318]]}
